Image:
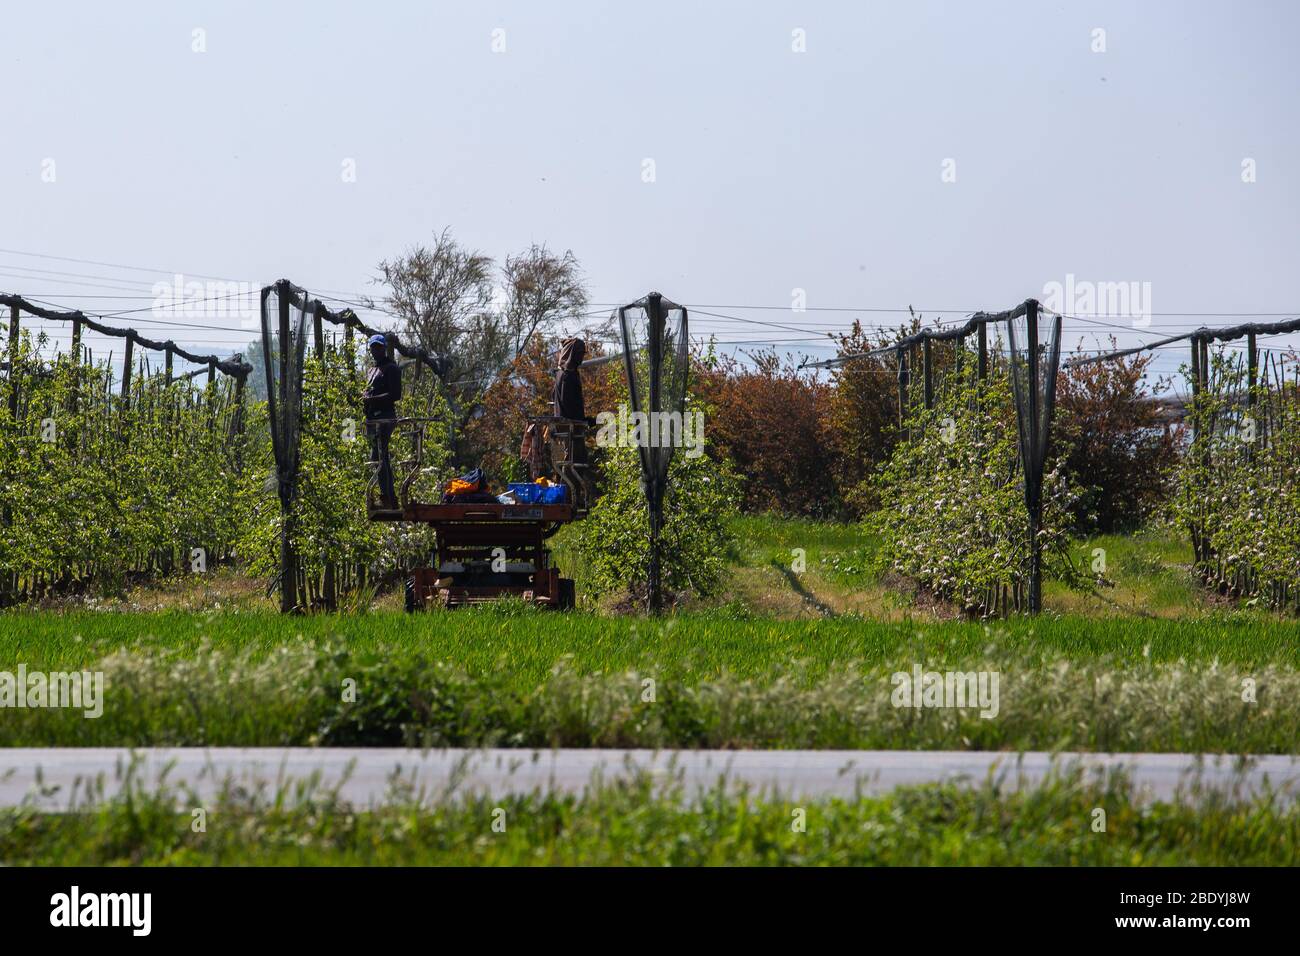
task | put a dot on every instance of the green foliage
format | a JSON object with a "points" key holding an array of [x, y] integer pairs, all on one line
{"points": [[330, 526], [95, 490], [614, 540], [1238, 492], [953, 514]]}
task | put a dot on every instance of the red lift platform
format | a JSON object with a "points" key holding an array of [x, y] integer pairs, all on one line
{"points": [[488, 550]]}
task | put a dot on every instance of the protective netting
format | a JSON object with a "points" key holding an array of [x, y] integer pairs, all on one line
{"points": [[656, 349], [284, 341], [656, 354], [1034, 338]]}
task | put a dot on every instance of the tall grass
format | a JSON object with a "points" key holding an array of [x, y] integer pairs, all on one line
{"points": [[640, 824], [330, 692]]}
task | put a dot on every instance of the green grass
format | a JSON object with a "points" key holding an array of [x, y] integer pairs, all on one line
{"points": [[636, 824], [529, 643], [514, 677], [1146, 575], [1119, 673]]}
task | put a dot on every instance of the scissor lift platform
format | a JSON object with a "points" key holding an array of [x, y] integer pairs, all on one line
{"points": [[485, 550]]}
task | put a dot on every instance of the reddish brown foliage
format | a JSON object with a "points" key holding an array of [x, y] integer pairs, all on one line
{"points": [[1114, 441], [494, 433], [773, 424]]}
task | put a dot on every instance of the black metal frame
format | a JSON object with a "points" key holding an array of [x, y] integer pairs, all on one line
{"points": [[655, 480]]}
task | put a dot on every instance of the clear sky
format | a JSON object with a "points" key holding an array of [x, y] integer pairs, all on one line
{"points": [[950, 156]]}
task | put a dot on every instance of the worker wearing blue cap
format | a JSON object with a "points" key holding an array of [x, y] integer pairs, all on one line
{"points": [[383, 389]]}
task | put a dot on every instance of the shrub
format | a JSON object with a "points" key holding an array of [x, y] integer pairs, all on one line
{"points": [[863, 414], [1115, 446], [772, 423]]}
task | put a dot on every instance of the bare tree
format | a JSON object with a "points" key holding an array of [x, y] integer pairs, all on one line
{"points": [[443, 294], [541, 289]]}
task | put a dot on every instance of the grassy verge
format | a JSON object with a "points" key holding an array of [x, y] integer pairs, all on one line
{"points": [[530, 643], [532, 679], [637, 825]]}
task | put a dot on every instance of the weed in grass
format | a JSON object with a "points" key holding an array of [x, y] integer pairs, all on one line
{"points": [[297, 693], [639, 822]]}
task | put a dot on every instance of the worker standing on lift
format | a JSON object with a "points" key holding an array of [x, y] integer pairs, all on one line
{"points": [[567, 394], [382, 392]]}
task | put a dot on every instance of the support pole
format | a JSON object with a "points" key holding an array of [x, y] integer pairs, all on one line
{"points": [[1252, 368], [1252, 376], [654, 311], [983, 336], [9, 583], [239, 425], [13, 361], [318, 332], [288, 560], [329, 577], [927, 367], [126, 370], [1033, 469], [904, 380]]}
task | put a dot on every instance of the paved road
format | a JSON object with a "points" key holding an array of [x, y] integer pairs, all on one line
{"points": [[366, 776]]}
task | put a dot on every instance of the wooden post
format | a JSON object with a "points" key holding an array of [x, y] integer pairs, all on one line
{"points": [[983, 335], [167, 377], [212, 371], [76, 341]]}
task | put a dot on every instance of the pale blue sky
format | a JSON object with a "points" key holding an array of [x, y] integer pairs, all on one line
{"points": [[774, 170]]}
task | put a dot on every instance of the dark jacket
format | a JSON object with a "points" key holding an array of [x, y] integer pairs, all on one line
{"points": [[383, 389], [567, 395]]}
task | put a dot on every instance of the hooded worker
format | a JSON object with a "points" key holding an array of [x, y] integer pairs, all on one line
{"points": [[567, 396], [568, 381], [383, 389]]}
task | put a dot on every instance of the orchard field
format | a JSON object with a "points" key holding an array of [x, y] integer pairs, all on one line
{"points": [[774, 660], [1151, 664]]}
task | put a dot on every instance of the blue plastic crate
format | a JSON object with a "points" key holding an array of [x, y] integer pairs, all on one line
{"points": [[554, 495], [527, 493]]}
